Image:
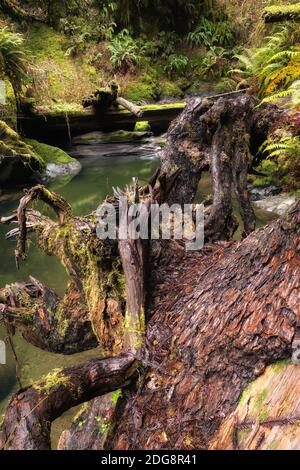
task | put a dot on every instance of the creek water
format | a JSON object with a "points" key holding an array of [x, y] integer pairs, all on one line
{"points": [[103, 166]]}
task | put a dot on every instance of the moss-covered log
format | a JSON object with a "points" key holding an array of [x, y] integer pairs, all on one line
{"points": [[279, 13], [18, 161], [106, 98]]}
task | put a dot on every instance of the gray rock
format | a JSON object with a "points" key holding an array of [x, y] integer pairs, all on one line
{"points": [[54, 170], [277, 204], [256, 194]]}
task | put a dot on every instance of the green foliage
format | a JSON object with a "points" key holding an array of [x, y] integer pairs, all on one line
{"points": [[177, 65], [214, 63], [211, 33], [283, 150], [125, 52], [147, 88], [291, 96], [272, 67], [13, 62]]}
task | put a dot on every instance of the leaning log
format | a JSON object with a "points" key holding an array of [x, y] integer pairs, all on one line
{"points": [[104, 99]]}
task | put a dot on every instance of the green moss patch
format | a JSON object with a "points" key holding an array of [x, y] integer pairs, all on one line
{"points": [[18, 160], [171, 89], [49, 154]]}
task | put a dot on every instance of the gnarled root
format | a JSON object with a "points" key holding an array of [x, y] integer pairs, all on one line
{"points": [[30, 413]]}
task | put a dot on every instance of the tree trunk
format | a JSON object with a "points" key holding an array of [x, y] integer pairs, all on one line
{"points": [[215, 318]]}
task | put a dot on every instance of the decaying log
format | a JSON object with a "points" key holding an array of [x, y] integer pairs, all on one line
{"points": [[280, 13], [103, 99], [135, 110], [274, 400], [30, 413]]}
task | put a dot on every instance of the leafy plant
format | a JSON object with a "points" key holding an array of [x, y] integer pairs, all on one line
{"points": [[213, 64], [291, 96], [283, 148], [210, 33], [273, 67], [125, 51], [176, 65], [13, 61]]}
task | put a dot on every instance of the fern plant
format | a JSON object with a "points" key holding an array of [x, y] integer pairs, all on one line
{"points": [[291, 96], [125, 51], [273, 67], [13, 61], [176, 65], [209, 34], [284, 150]]}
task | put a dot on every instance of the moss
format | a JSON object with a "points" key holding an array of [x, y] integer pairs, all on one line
{"points": [[112, 137], [18, 161], [50, 382], [281, 12], [116, 396], [263, 415], [170, 89], [142, 126], [279, 366], [49, 154], [59, 79], [8, 111], [146, 89]]}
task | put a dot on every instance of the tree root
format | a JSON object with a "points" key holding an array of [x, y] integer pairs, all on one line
{"points": [[28, 420]]}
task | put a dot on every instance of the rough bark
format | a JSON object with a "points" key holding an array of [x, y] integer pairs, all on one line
{"points": [[267, 416], [208, 340]]}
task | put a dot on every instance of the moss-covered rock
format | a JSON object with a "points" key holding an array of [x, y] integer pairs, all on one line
{"points": [[18, 160], [8, 110], [93, 138], [146, 89], [58, 162], [171, 89], [142, 126]]}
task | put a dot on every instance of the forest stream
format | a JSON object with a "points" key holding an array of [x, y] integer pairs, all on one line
{"points": [[103, 166]]}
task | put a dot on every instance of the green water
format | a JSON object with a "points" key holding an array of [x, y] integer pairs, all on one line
{"points": [[102, 168]]}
